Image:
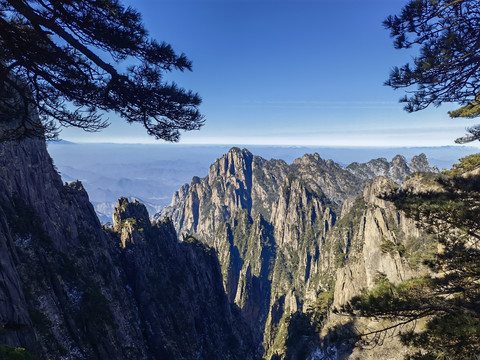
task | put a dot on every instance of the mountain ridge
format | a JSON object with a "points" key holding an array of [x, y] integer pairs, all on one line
{"points": [[274, 227], [339, 183], [74, 289], [274, 240]]}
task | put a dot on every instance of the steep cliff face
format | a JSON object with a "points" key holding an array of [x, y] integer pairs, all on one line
{"points": [[384, 242], [178, 292], [238, 180], [71, 289], [377, 242], [282, 232]]}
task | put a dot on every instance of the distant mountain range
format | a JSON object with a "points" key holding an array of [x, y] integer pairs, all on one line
{"points": [[268, 248], [282, 232], [152, 173]]}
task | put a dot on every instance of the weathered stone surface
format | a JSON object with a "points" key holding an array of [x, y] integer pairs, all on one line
{"points": [[240, 180], [285, 234], [72, 289], [380, 224]]}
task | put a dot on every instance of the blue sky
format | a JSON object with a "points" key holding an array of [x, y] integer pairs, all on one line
{"points": [[288, 73]]}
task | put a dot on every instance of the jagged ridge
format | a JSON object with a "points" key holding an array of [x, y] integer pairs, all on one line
{"points": [[73, 289], [274, 228]]}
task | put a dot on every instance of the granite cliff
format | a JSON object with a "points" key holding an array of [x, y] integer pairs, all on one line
{"points": [[294, 239], [72, 289], [278, 246]]}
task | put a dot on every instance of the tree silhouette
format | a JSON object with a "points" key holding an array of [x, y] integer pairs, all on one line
{"points": [[75, 60], [448, 64]]}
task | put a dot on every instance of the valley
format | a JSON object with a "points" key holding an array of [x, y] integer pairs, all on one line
{"points": [[267, 250]]}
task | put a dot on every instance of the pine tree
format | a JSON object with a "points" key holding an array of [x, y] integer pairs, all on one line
{"points": [[74, 60], [447, 68], [447, 300]]}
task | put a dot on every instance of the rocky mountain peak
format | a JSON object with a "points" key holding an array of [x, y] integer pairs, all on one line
{"points": [[126, 209], [240, 180], [398, 169], [420, 163], [399, 160], [69, 290], [377, 189], [310, 159], [130, 219], [180, 194], [234, 162]]}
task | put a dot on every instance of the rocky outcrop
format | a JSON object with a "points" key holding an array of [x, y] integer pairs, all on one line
{"points": [[72, 289], [282, 232], [297, 211], [247, 256], [379, 244], [236, 181], [335, 181], [276, 240], [397, 170], [239, 180], [178, 292]]}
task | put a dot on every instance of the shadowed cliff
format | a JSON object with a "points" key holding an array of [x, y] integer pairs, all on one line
{"points": [[73, 289]]}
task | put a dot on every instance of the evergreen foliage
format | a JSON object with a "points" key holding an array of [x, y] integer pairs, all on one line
{"points": [[447, 301], [468, 163], [14, 353], [447, 67], [64, 59], [318, 311]]}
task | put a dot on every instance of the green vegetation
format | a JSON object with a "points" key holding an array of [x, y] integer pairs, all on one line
{"points": [[95, 307], [466, 164], [351, 220], [448, 302], [295, 337], [445, 70], [132, 222], [241, 227], [282, 280], [301, 336], [25, 221], [43, 325], [389, 247], [317, 312], [345, 228], [14, 353], [190, 239], [92, 38], [40, 320], [420, 250]]}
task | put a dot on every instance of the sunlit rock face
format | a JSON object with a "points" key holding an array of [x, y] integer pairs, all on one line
{"points": [[381, 232], [240, 180], [285, 234]]}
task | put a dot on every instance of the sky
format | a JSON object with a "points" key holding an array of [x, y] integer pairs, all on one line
{"points": [[287, 72]]}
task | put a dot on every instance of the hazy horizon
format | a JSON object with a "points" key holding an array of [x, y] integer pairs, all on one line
{"points": [[153, 172], [288, 73]]}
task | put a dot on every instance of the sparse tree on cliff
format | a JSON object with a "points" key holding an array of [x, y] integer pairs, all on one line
{"points": [[74, 60], [446, 302], [447, 68]]}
